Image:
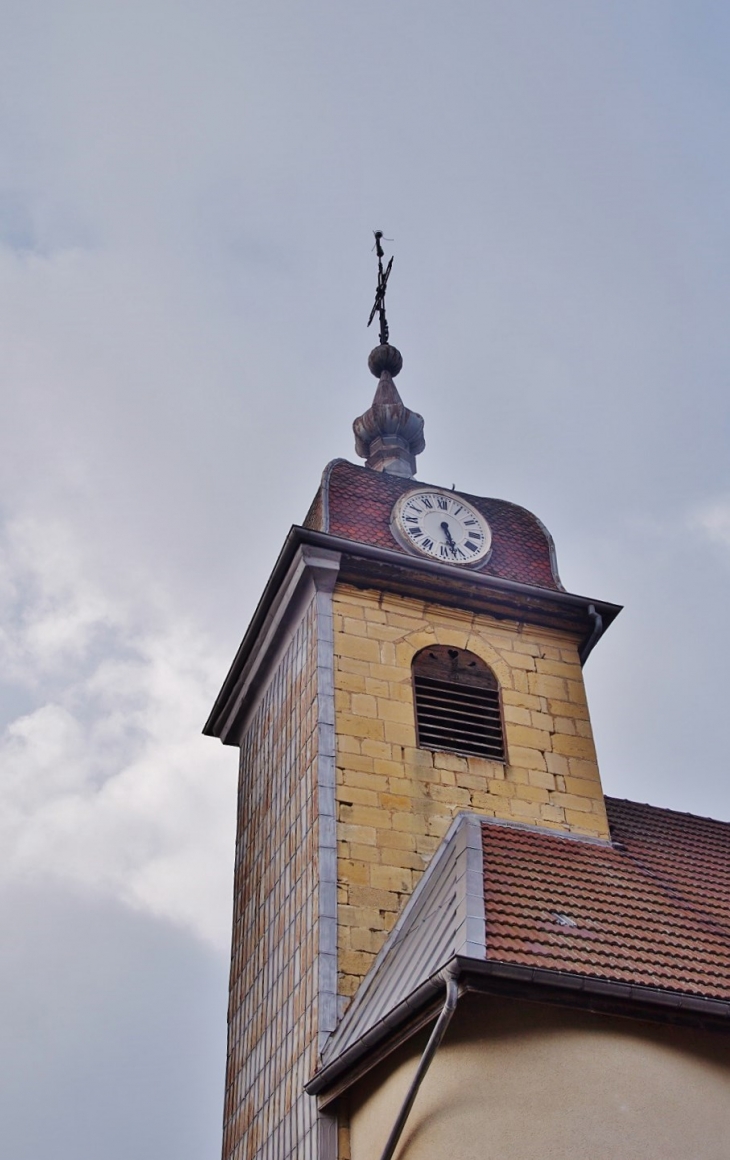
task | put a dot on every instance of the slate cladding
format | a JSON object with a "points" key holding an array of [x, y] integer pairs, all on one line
{"points": [[651, 909], [356, 502], [272, 1038]]}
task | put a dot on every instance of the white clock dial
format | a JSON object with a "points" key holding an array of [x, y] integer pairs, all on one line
{"points": [[440, 525]]}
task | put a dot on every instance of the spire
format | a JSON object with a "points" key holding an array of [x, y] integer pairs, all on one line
{"points": [[388, 436]]}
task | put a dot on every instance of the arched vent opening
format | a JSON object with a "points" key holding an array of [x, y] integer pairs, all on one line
{"points": [[457, 703]]}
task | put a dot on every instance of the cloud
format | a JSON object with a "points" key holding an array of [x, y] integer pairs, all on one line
{"points": [[713, 521], [107, 782]]}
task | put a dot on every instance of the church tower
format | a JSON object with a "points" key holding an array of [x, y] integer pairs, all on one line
{"points": [[414, 657]]}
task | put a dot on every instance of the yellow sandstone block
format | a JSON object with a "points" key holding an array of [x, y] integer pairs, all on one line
{"points": [[516, 715], [571, 801], [360, 726], [357, 815], [544, 685], [404, 786], [358, 648], [567, 709], [581, 768], [557, 763], [400, 734], [528, 738], [526, 700], [439, 825], [522, 661], [534, 793], [395, 840], [388, 768], [573, 746], [347, 744], [387, 672], [363, 705], [551, 813], [413, 756], [576, 692], [391, 801], [352, 795], [378, 750], [365, 853], [451, 796], [391, 878], [354, 962], [540, 778], [354, 627], [502, 788], [360, 835], [353, 872], [370, 896], [349, 603], [524, 809], [587, 823], [355, 761], [398, 711], [557, 668], [407, 859], [374, 781], [347, 985]]}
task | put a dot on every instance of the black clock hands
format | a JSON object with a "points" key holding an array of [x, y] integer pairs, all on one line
{"points": [[449, 537]]}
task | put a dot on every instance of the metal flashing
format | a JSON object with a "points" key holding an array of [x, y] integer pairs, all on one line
{"points": [[300, 572], [443, 916]]}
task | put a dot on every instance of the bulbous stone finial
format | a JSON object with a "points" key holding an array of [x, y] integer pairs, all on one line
{"points": [[385, 358], [388, 436]]}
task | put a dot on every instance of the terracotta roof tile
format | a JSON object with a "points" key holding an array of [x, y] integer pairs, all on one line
{"points": [[359, 502], [652, 909]]}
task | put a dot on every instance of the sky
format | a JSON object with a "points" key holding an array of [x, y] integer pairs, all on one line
{"points": [[188, 192]]}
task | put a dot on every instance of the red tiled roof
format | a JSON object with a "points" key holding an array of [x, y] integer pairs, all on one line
{"points": [[651, 909], [360, 500]]}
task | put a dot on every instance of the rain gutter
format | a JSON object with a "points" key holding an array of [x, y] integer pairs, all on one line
{"points": [[537, 984]]}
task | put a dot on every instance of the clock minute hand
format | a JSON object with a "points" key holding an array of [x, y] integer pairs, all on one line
{"points": [[449, 537]]}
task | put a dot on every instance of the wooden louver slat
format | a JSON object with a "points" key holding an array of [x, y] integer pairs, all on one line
{"points": [[457, 703]]}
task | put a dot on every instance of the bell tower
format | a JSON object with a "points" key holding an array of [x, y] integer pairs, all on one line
{"points": [[414, 655]]}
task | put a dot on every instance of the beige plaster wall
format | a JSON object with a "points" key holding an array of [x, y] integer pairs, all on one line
{"points": [[516, 1081], [396, 801]]}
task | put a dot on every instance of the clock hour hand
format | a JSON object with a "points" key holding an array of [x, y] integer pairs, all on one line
{"points": [[449, 537]]}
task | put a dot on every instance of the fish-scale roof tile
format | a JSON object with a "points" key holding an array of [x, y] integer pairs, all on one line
{"points": [[356, 504]]}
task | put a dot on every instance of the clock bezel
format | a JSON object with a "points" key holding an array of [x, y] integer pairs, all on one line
{"points": [[400, 535]]}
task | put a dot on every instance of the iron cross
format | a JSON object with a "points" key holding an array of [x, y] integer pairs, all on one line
{"points": [[379, 304]]}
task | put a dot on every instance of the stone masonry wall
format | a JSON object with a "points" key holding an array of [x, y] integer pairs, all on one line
{"points": [[273, 994], [395, 801]]}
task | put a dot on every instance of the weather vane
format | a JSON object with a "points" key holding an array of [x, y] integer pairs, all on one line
{"points": [[379, 304]]}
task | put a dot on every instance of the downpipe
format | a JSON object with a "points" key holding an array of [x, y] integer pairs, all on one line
{"points": [[447, 1011], [596, 634]]}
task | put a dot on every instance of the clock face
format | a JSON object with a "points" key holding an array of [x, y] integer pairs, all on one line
{"points": [[440, 525]]}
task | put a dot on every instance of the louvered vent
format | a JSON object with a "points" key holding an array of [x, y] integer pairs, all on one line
{"points": [[457, 703]]}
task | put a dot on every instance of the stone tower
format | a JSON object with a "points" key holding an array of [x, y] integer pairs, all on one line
{"points": [[413, 656]]}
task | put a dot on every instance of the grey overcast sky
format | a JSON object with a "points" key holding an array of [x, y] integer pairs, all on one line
{"points": [[187, 191]]}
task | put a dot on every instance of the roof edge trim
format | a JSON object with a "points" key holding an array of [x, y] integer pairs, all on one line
{"points": [[299, 537]]}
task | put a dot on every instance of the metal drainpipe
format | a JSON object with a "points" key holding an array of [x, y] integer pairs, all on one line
{"points": [[452, 996], [595, 636]]}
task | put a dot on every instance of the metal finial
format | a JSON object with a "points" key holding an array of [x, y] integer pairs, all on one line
{"points": [[379, 304]]}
